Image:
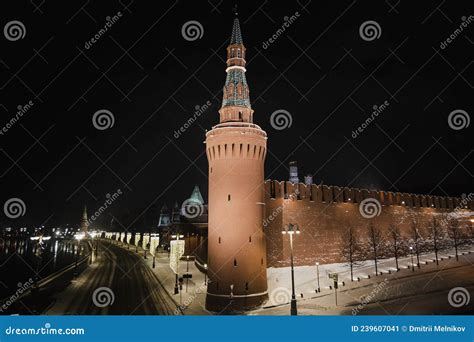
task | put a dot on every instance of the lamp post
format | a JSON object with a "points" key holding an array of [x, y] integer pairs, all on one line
{"points": [[92, 251], [78, 238], [205, 274], [290, 230], [411, 254], [176, 288], [317, 271], [154, 260], [187, 271], [155, 247]]}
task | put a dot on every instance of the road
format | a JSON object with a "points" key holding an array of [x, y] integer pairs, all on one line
{"points": [[419, 294], [134, 289]]}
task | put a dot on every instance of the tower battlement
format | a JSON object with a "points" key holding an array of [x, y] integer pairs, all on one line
{"points": [[335, 194]]}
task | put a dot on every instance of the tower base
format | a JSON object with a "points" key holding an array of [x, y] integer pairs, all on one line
{"points": [[238, 303]]}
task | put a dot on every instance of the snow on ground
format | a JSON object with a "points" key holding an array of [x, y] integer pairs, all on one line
{"points": [[279, 282], [306, 283]]}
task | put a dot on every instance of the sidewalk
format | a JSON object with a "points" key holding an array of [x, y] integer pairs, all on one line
{"points": [[306, 281], [193, 299]]}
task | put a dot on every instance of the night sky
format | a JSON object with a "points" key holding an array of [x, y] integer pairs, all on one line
{"points": [[151, 79]]}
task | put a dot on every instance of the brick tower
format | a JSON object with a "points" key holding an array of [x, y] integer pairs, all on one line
{"points": [[84, 222], [236, 150]]}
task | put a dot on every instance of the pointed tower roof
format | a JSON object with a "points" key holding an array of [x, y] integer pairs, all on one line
{"points": [[236, 90], [196, 196], [236, 37], [84, 221]]}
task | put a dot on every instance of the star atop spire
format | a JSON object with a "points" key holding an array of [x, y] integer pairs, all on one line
{"points": [[236, 37]]}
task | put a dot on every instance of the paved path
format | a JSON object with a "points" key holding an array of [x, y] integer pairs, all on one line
{"points": [[136, 289]]}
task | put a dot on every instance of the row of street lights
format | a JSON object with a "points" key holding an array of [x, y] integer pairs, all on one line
{"points": [[292, 229]]}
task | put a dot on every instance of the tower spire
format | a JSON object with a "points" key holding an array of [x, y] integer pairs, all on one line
{"points": [[236, 101], [236, 37], [84, 221]]}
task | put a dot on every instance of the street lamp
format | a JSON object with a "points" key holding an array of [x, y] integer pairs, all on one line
{"points": [[78, 238], [317, 271], [290, 230], [176, 288], [411, 254], [205, 274], [154, 260], [187, 271]]}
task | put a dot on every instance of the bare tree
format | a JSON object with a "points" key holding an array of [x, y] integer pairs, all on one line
{"points": [[397, 249], [375, 241], [351, 249], [465, 234], [454, 234], [436, 234], [416, 237]]}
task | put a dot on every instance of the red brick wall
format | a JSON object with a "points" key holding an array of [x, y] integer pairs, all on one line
{"points": [[324, 213]]}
